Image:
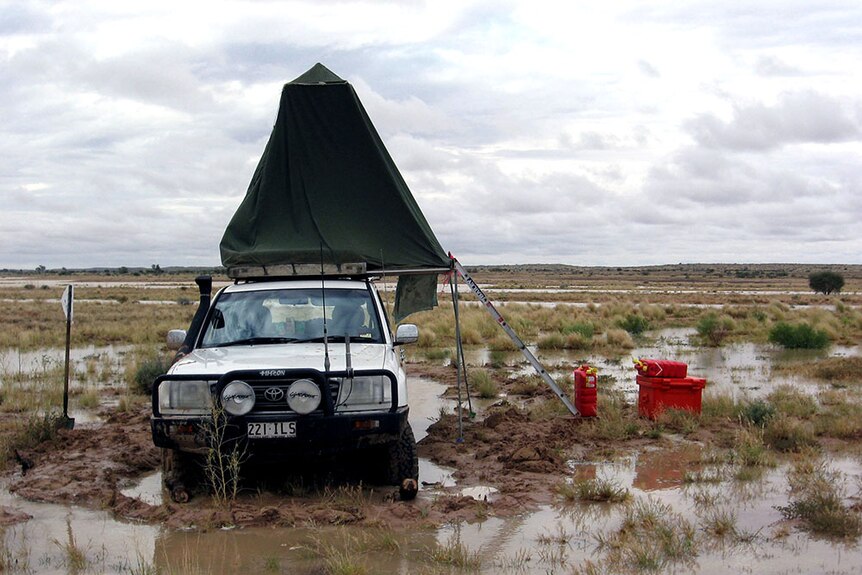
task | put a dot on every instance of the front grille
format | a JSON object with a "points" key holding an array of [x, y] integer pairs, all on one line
{"points": [[271, 395]]}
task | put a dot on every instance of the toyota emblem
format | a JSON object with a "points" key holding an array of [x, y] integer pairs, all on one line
{"points": [[274, 394]]}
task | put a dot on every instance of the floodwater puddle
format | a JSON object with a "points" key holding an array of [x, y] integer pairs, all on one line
{"points": [[553, 538], [740, 370], [101, 363], [148, 489]]}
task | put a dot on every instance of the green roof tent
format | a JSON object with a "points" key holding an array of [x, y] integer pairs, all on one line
{"points": [[327, 191]]}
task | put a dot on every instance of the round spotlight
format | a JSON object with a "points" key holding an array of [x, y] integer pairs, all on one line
{"points": [[303, 396], [237, 397]]}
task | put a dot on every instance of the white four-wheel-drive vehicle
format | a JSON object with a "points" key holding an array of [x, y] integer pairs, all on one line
{"points": [[288, 370]]}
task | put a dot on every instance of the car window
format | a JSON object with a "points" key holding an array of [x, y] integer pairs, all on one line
{"points": [[291, 315]]}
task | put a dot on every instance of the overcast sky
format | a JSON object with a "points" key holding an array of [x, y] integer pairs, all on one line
{"points": [[589, 133]]}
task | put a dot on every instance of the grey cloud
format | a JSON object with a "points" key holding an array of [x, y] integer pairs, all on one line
{"points": [[740, 24], [796, 118], [22, 18], [773, 66], [749, 211], [648, 69]]}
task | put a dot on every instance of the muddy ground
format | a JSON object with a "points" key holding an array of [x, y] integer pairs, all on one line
{"points": [[524, 459]]}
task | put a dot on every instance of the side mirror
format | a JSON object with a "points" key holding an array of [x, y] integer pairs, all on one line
{"points": [[175, 338], [406, 333]]}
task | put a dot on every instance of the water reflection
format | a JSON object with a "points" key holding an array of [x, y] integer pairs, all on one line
{"points": [[740, 370]]}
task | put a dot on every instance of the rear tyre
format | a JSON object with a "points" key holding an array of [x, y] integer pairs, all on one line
{"points": [[403, 465]]}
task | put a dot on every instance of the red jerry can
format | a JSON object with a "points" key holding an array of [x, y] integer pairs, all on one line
{"points": [[585, 390], [661, 368]]}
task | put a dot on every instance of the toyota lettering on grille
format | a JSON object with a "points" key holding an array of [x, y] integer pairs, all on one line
{"points": [[273, 394]]}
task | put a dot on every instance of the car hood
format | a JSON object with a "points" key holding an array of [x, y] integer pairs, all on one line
{"points": [[220, 360]]}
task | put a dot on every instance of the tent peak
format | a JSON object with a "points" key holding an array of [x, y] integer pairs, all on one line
{"points": [[318, 74]]}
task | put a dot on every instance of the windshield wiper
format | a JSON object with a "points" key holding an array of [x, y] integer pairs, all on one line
{"points": [[337, 339], [319, 339], [260, 340]]}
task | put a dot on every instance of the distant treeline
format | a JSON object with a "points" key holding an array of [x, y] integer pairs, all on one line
{"points": [[715, 270], [154, 269]]}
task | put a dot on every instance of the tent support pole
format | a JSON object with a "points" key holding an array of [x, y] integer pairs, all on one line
{"points": [[459, 356]]}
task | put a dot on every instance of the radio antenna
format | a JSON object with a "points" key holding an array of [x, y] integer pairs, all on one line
{"points": [[326, 363]]}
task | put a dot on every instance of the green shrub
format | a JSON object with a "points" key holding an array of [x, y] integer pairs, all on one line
{"points": [[799, 336], [758, 412], [714, 329], [147, 371], [634, 324]]}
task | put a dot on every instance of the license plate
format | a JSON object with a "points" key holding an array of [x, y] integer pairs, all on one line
{"points": [[272, 429]]}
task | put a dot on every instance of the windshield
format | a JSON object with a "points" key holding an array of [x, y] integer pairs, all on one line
{"points": [[291, 316]]}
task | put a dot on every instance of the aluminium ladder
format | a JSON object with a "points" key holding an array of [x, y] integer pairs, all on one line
{"points": [[513, 336]]}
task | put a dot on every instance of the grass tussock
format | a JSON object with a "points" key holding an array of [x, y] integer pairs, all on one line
{"points": [[682, 421], [482, 383], [618, 420], [594, 490], [817, 500], [750, 449], [719, 407], [618, 339], [720, 522], [650, 538], [789, 401], [840, 416], [454, 554], [788, 434], [838, 370], [528, 385], [30, 432]]}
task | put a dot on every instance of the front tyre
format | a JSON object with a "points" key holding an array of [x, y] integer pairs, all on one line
{"points": [[178, 474], [403, 465]]}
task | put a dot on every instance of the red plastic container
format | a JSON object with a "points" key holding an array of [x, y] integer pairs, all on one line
{"points": [[659, 393], [585, 390], [661, 368]]}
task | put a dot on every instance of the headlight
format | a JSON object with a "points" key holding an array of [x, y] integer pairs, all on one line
{"points": [[237, 397], [364, 392], [303, 396], [185, 397]]}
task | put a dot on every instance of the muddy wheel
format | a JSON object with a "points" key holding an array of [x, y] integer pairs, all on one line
{"points": [[403, 465], [176, 474]]}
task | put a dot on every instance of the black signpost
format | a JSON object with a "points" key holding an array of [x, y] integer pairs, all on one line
{"points": [[67, 301]]}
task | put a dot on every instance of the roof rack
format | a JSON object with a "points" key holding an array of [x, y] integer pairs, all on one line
{"points": [[297, 271]]}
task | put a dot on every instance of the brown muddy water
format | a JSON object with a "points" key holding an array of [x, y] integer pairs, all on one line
{"points": [[552, 539]]}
